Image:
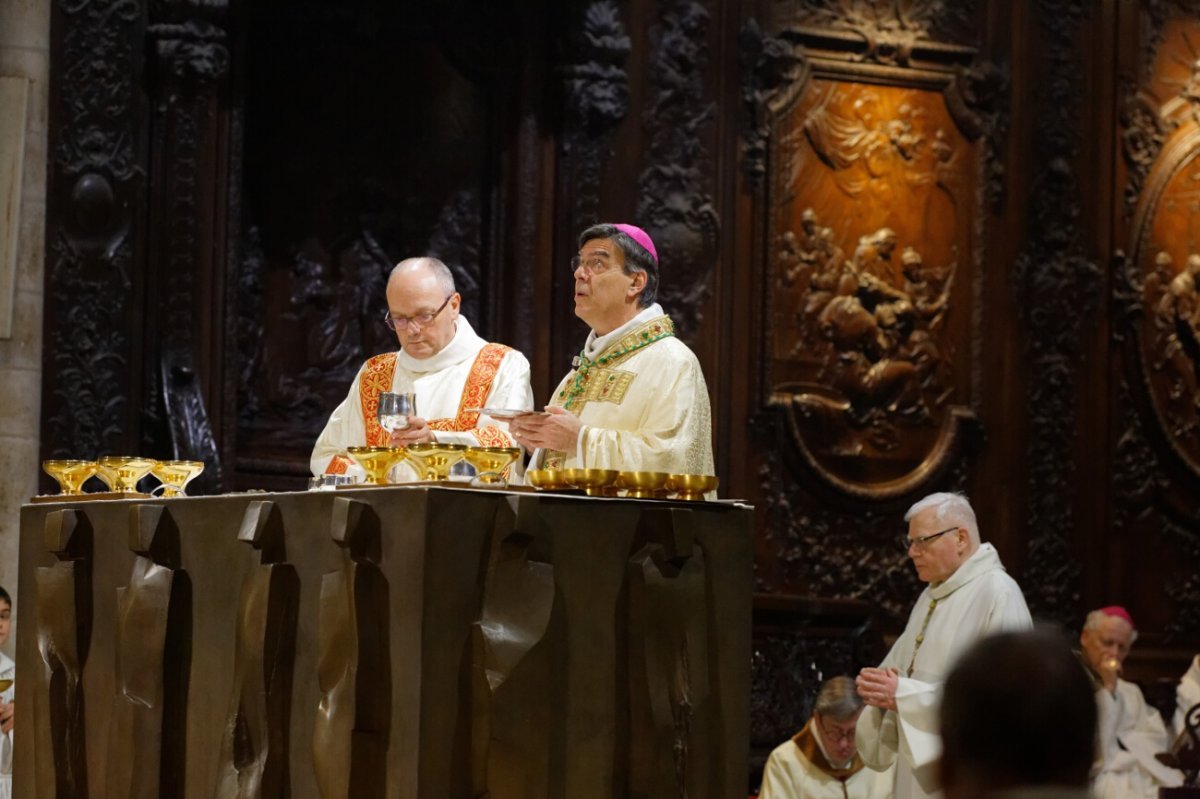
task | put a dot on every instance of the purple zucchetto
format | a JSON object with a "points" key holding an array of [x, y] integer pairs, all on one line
{"points": [[640, 236]]}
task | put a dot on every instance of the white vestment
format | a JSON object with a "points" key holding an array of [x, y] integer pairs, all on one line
{"points": [[644, 406], [1187, 695], [1129, 734], [438, 382], [8, 671], [979, 599], [791, 774]]}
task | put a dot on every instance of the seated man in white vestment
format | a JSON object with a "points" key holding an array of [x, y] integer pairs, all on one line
{"points": [[1130, 731], [1187, 696], [821, 761], [1018, 720], [452, 371], [636, 398], [969, 596]]}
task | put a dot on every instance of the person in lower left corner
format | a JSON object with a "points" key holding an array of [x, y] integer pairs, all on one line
{"points": [[822, 759], [8, 673]]}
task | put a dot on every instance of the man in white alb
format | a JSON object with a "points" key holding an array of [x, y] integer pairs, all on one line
{"points": [[636, 399], [452, 371], [1129, 732], [969, 596], [821, 761]]}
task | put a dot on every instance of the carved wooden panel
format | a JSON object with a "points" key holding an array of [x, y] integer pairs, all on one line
{"points": [[872, 203]]}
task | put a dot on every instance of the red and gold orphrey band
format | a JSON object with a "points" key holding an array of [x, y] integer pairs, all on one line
{"points": [[377, 378]]}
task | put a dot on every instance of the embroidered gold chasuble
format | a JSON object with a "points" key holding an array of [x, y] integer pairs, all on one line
{"points": [[643, 402]]}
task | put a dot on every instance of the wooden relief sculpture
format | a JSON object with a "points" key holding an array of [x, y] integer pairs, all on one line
{"points": [[872, 203], [350, 736], [668, 662], [64, 631], [1162, 273], [153, 651], [512, 730], [254, 748]]}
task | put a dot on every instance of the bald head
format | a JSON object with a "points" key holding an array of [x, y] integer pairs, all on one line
{"points": [[419, 266], [423, 306]]}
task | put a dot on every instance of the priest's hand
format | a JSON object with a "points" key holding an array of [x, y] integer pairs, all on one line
{"points": [[556, 429], [877, 687], [7, 714], [417, 432]]}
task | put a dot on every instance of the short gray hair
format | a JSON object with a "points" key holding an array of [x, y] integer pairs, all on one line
{"points": [[839, 699], [953, 508], [1096, 617], [441, 272]]}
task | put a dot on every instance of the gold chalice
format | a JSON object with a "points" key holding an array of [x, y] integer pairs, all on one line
{"points": [[377, 461], [490, 462], [433, 460], [592, 481], [175, 475], [70, 475], [691, 487], [643, 485], [122, 472], [548, 479]]}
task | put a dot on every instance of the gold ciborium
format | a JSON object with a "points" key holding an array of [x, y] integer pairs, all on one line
{"points": [[122, 472], [490, 462], [377, 461], [643, 485], [433, 460], [548, 479], [175, 475], [592, 481], [70, 475], [691, 487]]}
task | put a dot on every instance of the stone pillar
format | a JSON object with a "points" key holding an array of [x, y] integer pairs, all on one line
{"points": [[24, 55]]}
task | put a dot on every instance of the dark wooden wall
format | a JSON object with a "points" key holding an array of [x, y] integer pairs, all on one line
{"points": [[916, 244]]}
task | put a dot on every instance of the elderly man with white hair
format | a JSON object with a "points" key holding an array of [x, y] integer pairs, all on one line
{"points": [[969, 596], [1129, 732]]}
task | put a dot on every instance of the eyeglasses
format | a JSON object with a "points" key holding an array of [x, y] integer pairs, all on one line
{"points": [[832, 734], [921, 543], [421, 320], [593, 265]]}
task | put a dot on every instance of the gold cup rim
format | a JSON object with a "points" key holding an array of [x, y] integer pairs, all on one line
{"points": [[65, 463], [496, 450], [431, 446], [117, 461], [643, 479], [693, 482], [545, 478], [179, 464], [372, 450], [593, 477]]}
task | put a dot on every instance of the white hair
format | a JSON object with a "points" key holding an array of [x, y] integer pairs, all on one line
{"points": [[952, 508], [1096, 618], [441, 272]]}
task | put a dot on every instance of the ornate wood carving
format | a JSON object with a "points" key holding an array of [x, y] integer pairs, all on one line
{"points": [[1056, 289], [677, 206], [317, 244], [189, 66], [867, 301], [596, 99], [93, 202]]}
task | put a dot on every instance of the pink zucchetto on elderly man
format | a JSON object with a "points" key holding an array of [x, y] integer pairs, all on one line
{"points": [[1129, 731], [636, 398]]}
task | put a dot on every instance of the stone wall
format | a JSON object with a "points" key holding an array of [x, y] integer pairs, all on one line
{"points": [[24, 53]]}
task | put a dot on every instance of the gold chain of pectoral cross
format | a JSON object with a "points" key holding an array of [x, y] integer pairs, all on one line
{"points": [[921, 637]]}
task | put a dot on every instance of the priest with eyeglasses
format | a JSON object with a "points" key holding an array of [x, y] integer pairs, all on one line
{"points": [[636, 398], [452, 370], [969, 596]]}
